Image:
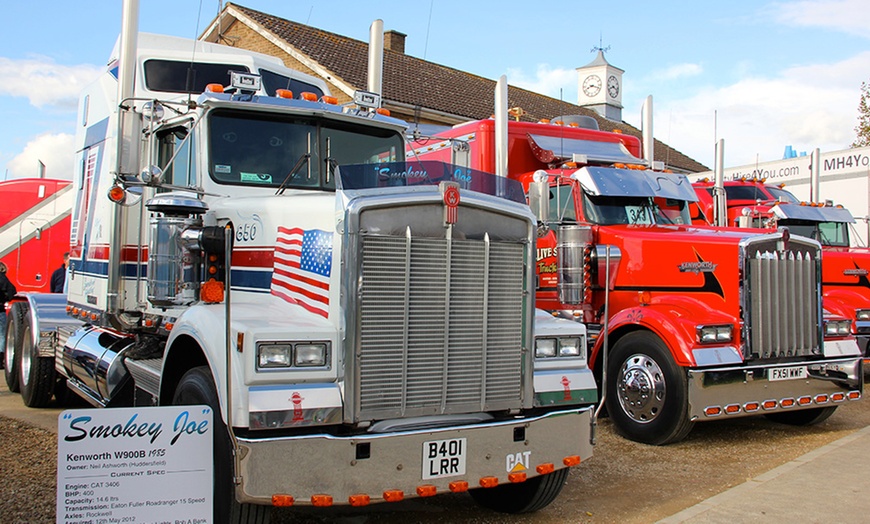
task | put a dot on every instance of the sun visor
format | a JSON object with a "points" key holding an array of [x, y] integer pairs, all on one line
{"points": [[814, 214], [550, 149], [635, 183]]}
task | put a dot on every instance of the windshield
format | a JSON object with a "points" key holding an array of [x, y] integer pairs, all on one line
{"points": [[276, 150], [672, 211], [606, 210], [782, 195], [833, 234]]}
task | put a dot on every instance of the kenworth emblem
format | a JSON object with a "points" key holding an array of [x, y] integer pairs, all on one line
{"points": [[450, 193], [697, 267]]}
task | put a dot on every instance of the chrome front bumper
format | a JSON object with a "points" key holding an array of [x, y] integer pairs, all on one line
{"points": [[742, 391], [371, 464]]}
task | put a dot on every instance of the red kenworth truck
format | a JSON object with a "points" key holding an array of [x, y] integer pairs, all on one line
{"points": [[845, 284], [699, 323]]}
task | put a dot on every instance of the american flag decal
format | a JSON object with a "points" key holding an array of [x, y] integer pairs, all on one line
{"points": [[303, 263]]}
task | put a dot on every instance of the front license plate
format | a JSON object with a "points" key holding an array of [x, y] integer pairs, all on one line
{"points": [[791, 373], [444, 458]]}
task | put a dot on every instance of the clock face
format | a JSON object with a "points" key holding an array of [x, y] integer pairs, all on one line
{"points": [[613, 86], [591, 85]]}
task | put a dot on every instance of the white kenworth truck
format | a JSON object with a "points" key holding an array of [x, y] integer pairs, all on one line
{"points": [[363, 325]]}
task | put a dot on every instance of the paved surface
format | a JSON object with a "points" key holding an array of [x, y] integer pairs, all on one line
{"points": [[826, 485]]}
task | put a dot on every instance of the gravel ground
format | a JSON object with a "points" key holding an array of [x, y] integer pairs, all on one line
{"points": [[624, 481]]}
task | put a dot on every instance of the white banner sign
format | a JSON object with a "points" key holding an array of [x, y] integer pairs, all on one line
{"points": [[145, 465]]}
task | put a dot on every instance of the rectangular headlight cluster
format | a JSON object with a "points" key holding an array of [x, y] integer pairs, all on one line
{"points": [[862, 314], [715, 334], [277, 355], [559, 347], [838, 328]]}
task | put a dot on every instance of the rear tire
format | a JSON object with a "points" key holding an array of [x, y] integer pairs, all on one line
{"points": [[11, 358], [524, 497], [37, 375], [197, 387], [647, 393], [802, 417]]}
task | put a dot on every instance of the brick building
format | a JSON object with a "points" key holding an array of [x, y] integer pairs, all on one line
{"points": [[410, 85]]}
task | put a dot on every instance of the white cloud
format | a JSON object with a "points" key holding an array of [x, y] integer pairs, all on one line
{"points": [[677, 71], [553, 82], [44, 82], [805, 107], [53, 150], [849, 16]]}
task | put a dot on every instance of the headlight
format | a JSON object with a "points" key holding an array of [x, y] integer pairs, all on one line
{"points": [[274, 355], [570, 347], [838, 328], [545, 347], [714, 334], [310, 354], [863, 314], [562, 347]]}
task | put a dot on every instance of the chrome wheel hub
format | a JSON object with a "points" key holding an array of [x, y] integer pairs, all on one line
{"points": [[640, 387]]}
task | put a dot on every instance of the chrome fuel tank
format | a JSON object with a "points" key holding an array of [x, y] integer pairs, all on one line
{"points": [[90, 359]]}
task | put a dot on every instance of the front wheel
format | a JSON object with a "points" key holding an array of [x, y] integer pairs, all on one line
{"points": [[523, 497], [197, 387], [802, 417], [647, 393]]}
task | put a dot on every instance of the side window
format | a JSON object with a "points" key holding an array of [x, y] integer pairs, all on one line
{"points": [[562, 204]]}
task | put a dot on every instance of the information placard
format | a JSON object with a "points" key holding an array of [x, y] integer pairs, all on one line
{"points": [[150, 465]]}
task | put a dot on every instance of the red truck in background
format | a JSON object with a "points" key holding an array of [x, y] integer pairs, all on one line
{"points": [[34, 229], [845, 283], [701, 323]]}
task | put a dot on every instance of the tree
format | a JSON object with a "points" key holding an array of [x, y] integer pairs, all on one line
{"points": [[863, 127]]}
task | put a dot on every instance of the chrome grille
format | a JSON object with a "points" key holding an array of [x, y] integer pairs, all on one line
{"points": [[783, 308], [440, 325]]}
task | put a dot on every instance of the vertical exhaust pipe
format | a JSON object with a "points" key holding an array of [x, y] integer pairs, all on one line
{"points": [[376, 57], [720, 212], [647, 124], [815, 175], [501, 127]]}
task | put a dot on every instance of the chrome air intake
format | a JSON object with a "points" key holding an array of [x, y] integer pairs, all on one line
{"points": [[573, 268], [173, 253]]}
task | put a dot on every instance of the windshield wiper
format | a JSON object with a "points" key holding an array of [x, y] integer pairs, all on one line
{"points": [[299, 163]]}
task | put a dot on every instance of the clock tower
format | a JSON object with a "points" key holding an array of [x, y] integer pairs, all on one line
{"points": [[600, 87]]}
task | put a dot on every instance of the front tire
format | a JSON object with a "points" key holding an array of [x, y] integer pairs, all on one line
{"points": [[802, 417], [524, 497], [197, 387], [37, 375], [11, 358], [647, 393]]}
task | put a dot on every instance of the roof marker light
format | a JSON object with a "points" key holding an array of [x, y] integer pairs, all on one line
{"points": [[326, 99], [214, 88], [311, 97], [383, 112], [284, 93]]}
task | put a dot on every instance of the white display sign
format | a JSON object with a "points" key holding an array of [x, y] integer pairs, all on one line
{"points": [[149, 465]]}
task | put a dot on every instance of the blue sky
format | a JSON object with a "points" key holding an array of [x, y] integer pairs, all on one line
{"points": [[759, 74]]}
